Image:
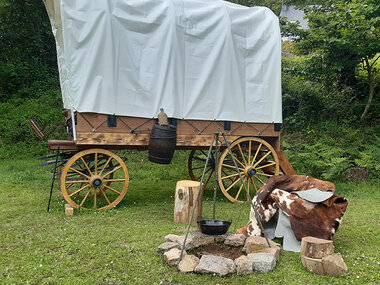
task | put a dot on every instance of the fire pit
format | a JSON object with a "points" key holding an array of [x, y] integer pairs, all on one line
{"points": [[219, 254]]}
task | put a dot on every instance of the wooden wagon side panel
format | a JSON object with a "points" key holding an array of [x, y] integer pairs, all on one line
{"points": [[131, 132]]}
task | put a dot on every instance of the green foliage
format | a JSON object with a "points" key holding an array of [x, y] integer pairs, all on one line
{"points": [[327, 150]]}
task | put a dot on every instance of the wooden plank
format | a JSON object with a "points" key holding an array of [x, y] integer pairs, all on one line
{"points": [[133, 140], [62, 144], [285, 165]]}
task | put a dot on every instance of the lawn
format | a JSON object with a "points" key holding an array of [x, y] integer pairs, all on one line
{"points": [[118, 246]]}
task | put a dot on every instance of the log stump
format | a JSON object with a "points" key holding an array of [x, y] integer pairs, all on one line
{"points": [[316, 248], [185, 196]]}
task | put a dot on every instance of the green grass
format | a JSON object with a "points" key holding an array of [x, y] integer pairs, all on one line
{"points": [[118, 246]]}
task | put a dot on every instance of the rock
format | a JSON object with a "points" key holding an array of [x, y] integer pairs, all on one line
{"points": [[235, 240], [172, 256], [171, 238], [166, 246], [313, 264], [222, 238], [188, 263], [334, 265], [262, 261], [244, 265], [275, 251], [316, 247], [255, 244], [215, 264]]}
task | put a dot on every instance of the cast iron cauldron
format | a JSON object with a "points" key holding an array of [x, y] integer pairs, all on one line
{"points": [[214, 227]]}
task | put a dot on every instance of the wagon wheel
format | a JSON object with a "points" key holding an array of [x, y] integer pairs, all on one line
{"points": [[257, 162], [196, 164], [94, 178], [71, 173]]}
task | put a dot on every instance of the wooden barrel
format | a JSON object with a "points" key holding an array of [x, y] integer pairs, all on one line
{"points": [[162, 143]]}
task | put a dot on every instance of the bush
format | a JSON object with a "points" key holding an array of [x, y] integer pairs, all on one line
{"points": [[327, 150], [17, 76], [16, 136]]}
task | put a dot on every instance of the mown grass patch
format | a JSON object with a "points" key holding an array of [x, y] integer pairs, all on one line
{"points": [[118, 246]]}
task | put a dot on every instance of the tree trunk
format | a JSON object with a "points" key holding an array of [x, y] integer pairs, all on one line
{"points": [[372, 86]]}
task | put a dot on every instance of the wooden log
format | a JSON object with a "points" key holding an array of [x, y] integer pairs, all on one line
{"points": [[316, 248], [185, 196], [285, 165]]}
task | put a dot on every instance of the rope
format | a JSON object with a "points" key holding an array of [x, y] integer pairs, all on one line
{"points": [[135, 129]]}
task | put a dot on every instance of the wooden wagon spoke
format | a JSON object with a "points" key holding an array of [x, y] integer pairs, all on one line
{"points": [[266, 165], [105, 165], [80, 189], [264, 174], [77, 181], [209, 177], [256, 153], [233, 184], [200, 158], [115, 180], [113, 190], [229, 166], [80, 173], [112, 171], [86, 165], [240, 188], [253, 182], [105, 196], [208, 170], [199, 167], [234, 157], [261, 159], [85, 197], [95, 197], [96, 163], [249, 152], [68, 187], [242, 154], [258, 179], [229, 176]]}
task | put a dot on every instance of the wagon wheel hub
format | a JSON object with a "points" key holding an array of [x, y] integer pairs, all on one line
{"points": [[96, 181], [250, 172]]}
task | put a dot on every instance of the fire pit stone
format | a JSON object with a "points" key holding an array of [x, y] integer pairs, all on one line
{"points": [[235, 240]]}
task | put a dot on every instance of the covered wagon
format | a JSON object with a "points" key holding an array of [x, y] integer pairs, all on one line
{"points": [[211, 65]]}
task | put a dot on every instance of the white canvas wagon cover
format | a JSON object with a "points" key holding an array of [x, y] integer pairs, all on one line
{"points": [[197, 59]]}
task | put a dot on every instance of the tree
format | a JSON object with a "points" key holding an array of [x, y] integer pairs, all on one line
{"points": [[25, 32], [27, 47], [344, 36]]}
